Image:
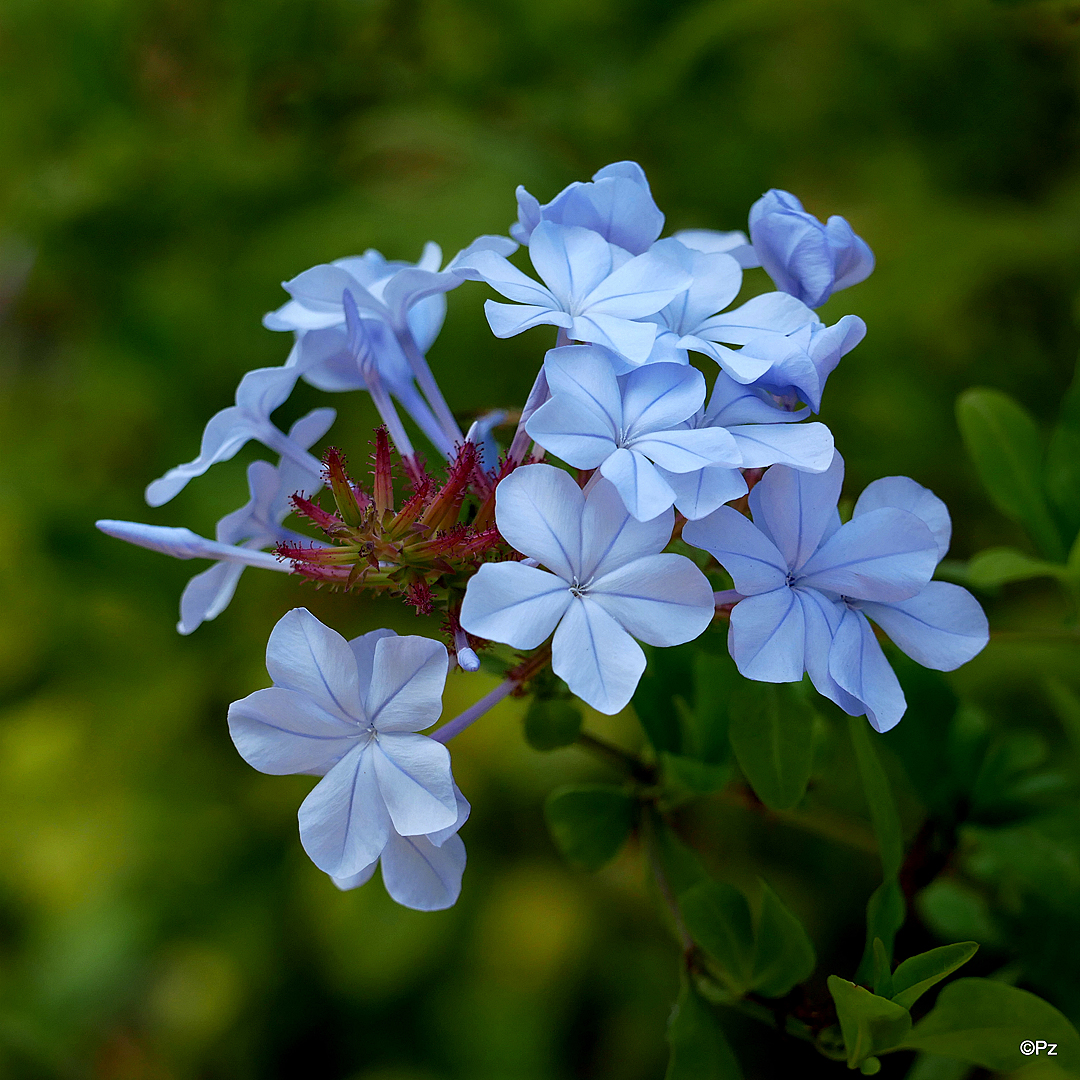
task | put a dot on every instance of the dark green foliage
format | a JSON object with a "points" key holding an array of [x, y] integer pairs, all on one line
{"points": [[550, 724], [1005, 444], [699, 1050], [869, 1023], [589, 824], [168, 164], [771, 729], [984, 1022]]}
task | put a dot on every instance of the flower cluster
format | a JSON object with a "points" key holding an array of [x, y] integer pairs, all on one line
{"points": [[663, 401]]}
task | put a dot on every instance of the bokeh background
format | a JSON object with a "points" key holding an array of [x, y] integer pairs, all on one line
{"points": [[164, 166]]}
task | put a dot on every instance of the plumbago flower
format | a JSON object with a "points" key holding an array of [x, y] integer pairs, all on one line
{"points": [[260, 392], [240, 537], [617, 204], [762, 433], [628, 426], [592, 288], [802, 256], [605, 583], [807, 585], [350, 712]]}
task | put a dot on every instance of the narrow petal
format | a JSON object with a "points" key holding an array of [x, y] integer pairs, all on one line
{"points": [[904, 494], [774, 312], [505, 278], [407, 683], [639, 287], [659, 396], [414, 779], [941, 627], [420, 875], [517, 605], [184, 544], [885, 555], [732, 403], [639, 483], [207, 595], [280, 731], [768, 636], [354, 881], [571, 260], [859, 666], [794, 508], [586, 373], [508, 320], [611, 537], [363, 649], [600, 662], [821, 616], [689, 449], [344, 824], [742, 365], [698, 494], [801, 446], [572, 431], [634, 340], [538, 510], [742, 549], [660, 599], [307, 656], [225, 433]]}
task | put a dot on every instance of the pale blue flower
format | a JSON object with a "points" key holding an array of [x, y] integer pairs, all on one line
{"points": [[804, 257], [350, 712], [617, 204], [241, 535], [763, 435], [593, 289], [420, 872], [605, 583], [809, 583], [696, 319], [260, 392], [734, 243], [630, 427]]}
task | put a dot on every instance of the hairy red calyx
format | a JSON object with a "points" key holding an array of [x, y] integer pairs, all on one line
{"points": [[425, 551]]}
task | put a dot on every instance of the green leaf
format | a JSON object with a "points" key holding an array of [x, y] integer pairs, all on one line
{"points": [[999, 566], [883, 982], [699, 1050], [590, 823], [885, 913], [669, 675], [870, 1024], [1063, 460], [918, 973], [772, 735], [879, 797], [783, 953], [706, 724], [718, 918], [688, 776], [1004, 444], [984, 1022], [680, 864], [550, 724]]}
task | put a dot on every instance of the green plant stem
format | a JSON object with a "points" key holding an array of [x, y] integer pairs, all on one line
{"points": [[623, 760]]}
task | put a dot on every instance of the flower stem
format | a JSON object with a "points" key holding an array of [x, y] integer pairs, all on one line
{"points": [[474, 712]]}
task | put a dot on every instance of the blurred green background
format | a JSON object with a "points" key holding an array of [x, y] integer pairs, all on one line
{"points": [[165, 165]]}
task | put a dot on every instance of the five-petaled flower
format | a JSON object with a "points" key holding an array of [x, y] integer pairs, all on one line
{"points": [[809, 584], [349, 711], [606, 583]]}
